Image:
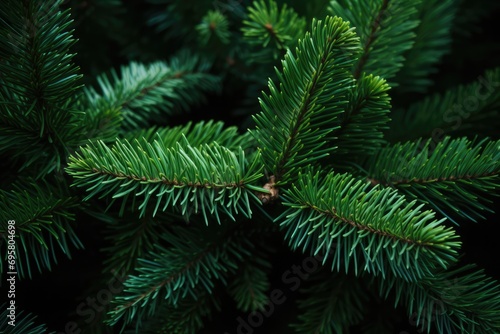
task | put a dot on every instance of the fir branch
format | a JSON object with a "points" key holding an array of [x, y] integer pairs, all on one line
{"points": [[196, 259], [312, 94], [143, 92], [43, 222], [251, 284], [209, 179], [214, 23], [36, 61], [131, 238], [266, 24], [365, 118], [370, 38], [333, 304], [453, 176], [459, 300], [39, 81], [100, 119], [21, 142], [375, 230], [472, 108], [433, 40], [24, 323], [386, 32]]}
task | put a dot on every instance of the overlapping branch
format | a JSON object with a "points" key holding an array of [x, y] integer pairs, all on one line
{"points": [[454, 176], [373, 230]]}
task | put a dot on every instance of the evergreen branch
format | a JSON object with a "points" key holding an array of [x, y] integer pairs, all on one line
{"points": [[196, 259], [269, 24], [19, 142], [39, 80], [24, 323], [210, 179], [35, 59], [100, 119], [313, 90], [375, 230], [370, 38], [131, 239], [42, 222], [187, 317], [214, 23], [460, 300], [333, 304], [385, 29], [433, 40], [453, 176], [249, 288], [365, 117], [146, 91], [467, 108]]}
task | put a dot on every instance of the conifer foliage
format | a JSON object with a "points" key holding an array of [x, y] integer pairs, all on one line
{"points": [[357, 160]]}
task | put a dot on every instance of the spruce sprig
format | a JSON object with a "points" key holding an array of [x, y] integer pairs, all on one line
{"points": [[209, 179], [190, 263], [299, 113], [460, 299], [386, 30], [455, 177], [38, 120], [371, 229], [44, 219], [146, 92]]}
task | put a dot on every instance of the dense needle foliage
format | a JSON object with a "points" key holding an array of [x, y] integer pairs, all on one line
{"points": [[249, 166]]}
